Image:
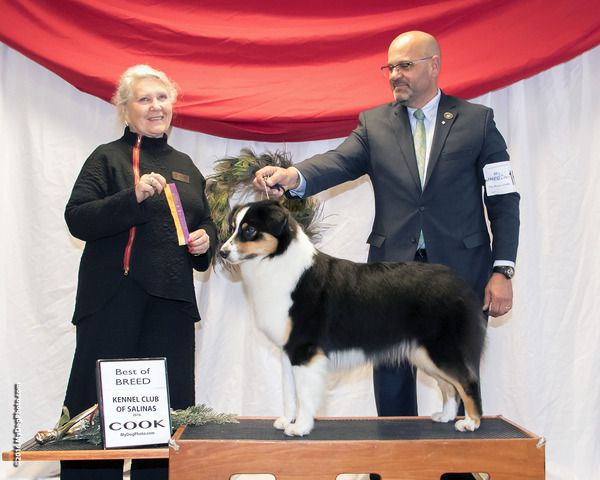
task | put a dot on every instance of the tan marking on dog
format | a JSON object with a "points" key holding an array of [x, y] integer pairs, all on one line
{"points": [[422, 360], [267, 245], [319, 355], [287, 331], [470, 408]]}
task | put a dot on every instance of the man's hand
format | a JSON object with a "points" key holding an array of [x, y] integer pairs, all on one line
{"points": [[276, 180], [498, 295]]}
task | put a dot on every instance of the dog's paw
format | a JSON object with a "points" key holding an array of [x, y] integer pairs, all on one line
{"points": [[282, 423], [442, 417], [466, 424], [299, 429]]}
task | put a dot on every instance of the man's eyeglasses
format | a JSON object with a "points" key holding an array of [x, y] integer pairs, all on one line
{"points": [[404, 66]]}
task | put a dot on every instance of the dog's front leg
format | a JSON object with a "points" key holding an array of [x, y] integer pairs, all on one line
{"points": [[310, 379], [289, 394]]}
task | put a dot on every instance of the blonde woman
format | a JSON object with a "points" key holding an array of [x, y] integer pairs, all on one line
{"points": [[135, 295]]}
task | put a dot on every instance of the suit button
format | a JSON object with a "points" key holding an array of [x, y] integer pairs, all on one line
{"points": [[413, 240], [421, 209]]}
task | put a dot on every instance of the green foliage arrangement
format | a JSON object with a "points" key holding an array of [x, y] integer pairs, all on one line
{"points": [[86, 426], [199, 415]]}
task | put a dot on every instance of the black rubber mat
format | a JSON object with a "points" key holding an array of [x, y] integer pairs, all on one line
{"points": [[331, 430], [327, 430]]}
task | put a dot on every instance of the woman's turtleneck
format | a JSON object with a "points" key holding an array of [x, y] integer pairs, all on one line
{"points": [[147, 142]]}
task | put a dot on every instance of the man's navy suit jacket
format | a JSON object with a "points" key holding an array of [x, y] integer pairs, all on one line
{"points": [[451, 207]]}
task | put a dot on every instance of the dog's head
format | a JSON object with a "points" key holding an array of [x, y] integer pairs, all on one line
{"points": [[260, 229]]}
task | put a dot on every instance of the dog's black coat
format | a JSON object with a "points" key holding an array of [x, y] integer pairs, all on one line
{"points": [[340, 305]]}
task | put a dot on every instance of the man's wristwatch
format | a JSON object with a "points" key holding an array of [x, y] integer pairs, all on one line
{"points": [[508, 272]]}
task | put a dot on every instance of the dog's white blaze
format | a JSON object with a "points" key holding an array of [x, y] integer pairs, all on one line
{"points": [[230, 245], [347, 359], [240, 215]]}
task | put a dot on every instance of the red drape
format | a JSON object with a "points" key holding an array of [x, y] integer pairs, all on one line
{"points": [[292, 71]]}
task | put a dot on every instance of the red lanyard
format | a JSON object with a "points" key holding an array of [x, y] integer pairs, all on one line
{"points": [[135, 160]]}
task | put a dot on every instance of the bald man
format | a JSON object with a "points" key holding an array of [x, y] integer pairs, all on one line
{"points": [[438, 165]]}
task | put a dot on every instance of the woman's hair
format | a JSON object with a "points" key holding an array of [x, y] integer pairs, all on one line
{"points": [[133, 74]]}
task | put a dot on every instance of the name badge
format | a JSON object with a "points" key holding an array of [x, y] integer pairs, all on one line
{"points": [[182, 177], [499, 179]]}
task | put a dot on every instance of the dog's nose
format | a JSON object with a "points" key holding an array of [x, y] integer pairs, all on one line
{"points": [[224, 253]]}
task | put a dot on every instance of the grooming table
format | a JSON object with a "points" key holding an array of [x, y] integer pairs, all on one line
{"points": [[396, 448]]}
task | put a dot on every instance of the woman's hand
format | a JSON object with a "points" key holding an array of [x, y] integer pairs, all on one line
{"points": [[150, 184], [198, 242]]}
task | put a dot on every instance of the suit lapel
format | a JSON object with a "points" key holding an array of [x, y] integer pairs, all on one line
{"points": [[404, 139], [445, 118]]}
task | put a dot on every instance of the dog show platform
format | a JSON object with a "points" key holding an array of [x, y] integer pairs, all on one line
{"points": [[395, 448]]}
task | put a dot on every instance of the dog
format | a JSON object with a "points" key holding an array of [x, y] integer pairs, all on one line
{"points": [[325, 312]]}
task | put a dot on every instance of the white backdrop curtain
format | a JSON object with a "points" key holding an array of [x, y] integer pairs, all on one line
{"points": [[540, 367]]}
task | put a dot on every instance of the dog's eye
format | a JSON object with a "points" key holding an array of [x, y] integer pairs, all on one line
{"points": [[249, 232]]}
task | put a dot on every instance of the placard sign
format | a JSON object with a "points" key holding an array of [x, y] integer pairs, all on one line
{"points": [[134, 402]]}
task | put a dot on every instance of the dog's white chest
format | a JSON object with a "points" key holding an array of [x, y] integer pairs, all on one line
{"points": [[271, 300], [270, 284]]}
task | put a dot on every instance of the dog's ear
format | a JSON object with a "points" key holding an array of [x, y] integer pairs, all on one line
{"points": [[277, 219]]}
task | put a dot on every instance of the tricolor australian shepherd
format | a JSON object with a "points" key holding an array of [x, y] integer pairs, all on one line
{"points": [[325, 312]]}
